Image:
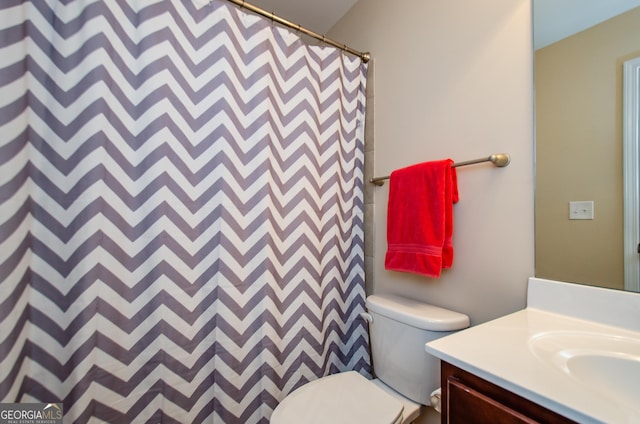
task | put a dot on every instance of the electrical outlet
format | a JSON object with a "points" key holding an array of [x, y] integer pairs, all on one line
{"points": [[581, 210]]}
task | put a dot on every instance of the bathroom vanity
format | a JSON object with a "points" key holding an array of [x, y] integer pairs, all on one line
{"points": [[572, 355]]}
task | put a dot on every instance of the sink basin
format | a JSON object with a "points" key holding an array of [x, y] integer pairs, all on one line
{"points": [[608, 364]]}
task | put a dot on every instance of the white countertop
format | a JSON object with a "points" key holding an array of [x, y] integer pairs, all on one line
{"points": [[499, 350]]}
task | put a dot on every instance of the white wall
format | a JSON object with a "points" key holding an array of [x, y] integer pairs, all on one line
{"points": [[454, 79]]}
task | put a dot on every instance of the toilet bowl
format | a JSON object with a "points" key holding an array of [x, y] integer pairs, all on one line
{"points": [[407, 374]]}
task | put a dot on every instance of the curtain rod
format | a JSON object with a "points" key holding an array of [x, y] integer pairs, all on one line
{"points": [[498, 159], [364, 56]]}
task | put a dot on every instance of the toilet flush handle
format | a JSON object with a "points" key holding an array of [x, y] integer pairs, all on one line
{"points": [[367, 317]]}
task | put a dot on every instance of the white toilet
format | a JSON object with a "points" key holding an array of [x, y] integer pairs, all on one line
{"points": [[407, 374]]}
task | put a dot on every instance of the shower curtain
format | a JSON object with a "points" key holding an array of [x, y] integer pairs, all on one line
{"points": [[181, 210]]}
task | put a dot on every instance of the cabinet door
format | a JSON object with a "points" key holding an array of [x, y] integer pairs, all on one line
{"points": [[469, 399], [469, 406]]}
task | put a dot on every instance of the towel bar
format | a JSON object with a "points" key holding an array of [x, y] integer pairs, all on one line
{"points": [[498, 159]]}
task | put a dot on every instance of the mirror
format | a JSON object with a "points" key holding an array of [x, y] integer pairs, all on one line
{"points": [[578, 62]]}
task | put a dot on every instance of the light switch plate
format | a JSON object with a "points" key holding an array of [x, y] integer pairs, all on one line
{"points": [[581, 210]]}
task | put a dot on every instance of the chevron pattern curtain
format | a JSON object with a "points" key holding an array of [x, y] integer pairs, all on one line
{"points": [[181, 210]]}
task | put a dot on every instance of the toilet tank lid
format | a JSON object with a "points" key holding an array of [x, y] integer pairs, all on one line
{"points": [[417, 314]]}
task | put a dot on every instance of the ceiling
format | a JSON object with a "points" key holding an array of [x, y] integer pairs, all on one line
{"points": [[553, 19]]}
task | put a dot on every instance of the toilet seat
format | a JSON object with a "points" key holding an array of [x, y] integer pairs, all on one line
{"points": [[346, 397]]}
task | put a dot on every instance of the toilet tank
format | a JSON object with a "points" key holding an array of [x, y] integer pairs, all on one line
{"points": [[398, 333]]}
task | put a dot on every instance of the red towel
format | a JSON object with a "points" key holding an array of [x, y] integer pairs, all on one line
{"points": [[420, 218]]}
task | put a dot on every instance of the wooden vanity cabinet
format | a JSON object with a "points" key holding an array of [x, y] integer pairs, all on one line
{"points": [[468, 399]]}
